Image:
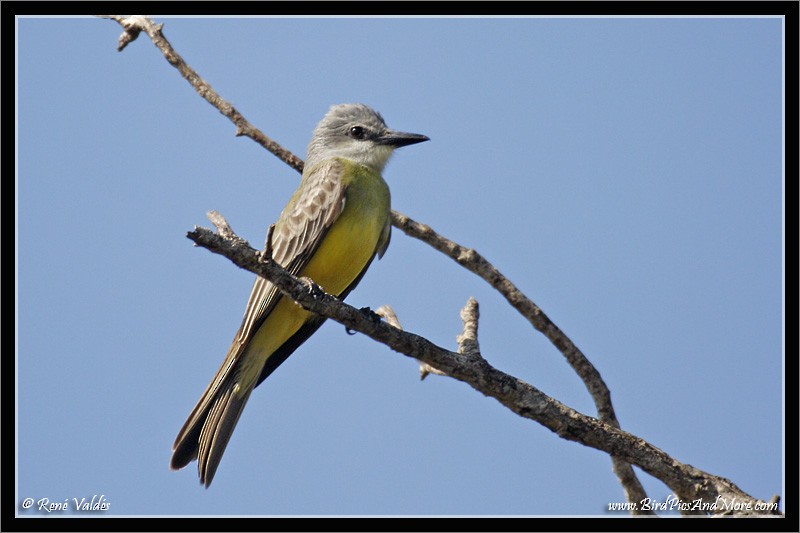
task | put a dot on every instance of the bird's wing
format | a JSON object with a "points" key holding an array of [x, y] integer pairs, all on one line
{"points": [[298, 233], [302, 226]]}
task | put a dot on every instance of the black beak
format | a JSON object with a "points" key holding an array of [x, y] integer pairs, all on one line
{"points": [[397, 139]]}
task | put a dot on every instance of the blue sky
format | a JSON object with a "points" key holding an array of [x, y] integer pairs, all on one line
{"points": [[625, 173]]}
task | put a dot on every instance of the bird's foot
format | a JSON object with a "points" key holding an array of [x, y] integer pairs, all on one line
{"points": [[314, 290], [372, 315]]}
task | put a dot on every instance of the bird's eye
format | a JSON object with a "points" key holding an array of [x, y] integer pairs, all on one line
{"points": [[357, 132]]}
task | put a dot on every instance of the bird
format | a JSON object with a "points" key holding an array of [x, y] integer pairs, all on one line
{"points": [[333, 226]]}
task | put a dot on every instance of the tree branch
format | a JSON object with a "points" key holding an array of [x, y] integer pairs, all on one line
{"points": [[477, 264], [699, 492], [133, 25], [470, 259]]}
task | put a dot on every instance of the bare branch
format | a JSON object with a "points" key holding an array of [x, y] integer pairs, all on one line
{"points": [[468, 340], [711, 494], [135, 24], [132, 26], [388, 315], [425, 370], [468, 258], [477, 264], [223, 228]]}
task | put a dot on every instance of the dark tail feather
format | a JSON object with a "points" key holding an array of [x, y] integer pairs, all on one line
{"points": [[218, 429], [208, 429], [207, 433]]}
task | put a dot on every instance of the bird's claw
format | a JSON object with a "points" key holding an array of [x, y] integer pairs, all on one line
{"points": [[314, 290], [372, 315]]}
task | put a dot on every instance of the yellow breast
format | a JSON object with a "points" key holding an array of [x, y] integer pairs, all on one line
{"points": [[353, 239]]}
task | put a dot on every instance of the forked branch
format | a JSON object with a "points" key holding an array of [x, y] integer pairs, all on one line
{"points": [[690, 484]]}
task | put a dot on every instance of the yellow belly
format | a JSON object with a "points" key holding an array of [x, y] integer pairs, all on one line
{"points": [[346, 250]]}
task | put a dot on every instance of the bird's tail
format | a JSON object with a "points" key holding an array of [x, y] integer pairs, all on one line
{"points": [[209, 428]]}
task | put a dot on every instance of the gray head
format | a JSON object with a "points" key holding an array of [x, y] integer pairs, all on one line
{"points": [[357, 132]]}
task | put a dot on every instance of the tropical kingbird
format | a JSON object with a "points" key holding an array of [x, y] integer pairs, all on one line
{"points": [[335, 223]]}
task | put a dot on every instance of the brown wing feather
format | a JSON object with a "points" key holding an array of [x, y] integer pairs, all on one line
{"points": [[300, 229]]}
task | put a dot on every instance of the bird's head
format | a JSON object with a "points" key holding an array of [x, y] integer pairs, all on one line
{"points": [[359, 133]]}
